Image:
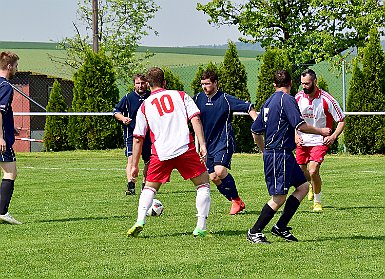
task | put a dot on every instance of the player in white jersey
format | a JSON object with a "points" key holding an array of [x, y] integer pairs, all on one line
{"points": [[166, 114], [320, 109]]}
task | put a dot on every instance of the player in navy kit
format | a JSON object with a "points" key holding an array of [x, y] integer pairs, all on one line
{"points": [[278, 119], [125, 111], [8, 69], [217, 110]]}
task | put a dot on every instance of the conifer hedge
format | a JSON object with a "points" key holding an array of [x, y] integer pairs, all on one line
{"points": [[95, 90]]}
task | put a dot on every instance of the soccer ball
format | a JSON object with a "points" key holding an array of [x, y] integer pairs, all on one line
{"points": [[155, 209]]}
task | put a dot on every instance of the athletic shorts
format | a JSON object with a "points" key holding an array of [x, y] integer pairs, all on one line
{"points": [[281, 171], [146, 149], [188, 164], [222, 158], [304, 154], [8, 155]]}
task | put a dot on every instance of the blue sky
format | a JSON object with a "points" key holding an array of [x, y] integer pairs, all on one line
{"points": [[178, 23]]}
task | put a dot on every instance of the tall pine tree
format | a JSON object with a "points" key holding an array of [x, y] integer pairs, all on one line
{"points": [[365, 134], [55, 129], [95, 90], [233, 80], [272, 60]]}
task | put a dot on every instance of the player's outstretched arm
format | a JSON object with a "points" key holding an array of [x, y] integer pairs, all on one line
{"points": [[309, 129], [259, 141], [198, 130], [136, 152]]}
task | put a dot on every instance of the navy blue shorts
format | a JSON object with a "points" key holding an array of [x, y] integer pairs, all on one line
{"points": [[281, 171], [8, 155], [222, 158], [146, 149]]}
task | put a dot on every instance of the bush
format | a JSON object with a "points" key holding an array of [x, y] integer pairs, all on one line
{"points": [[365, 134], [95, 90], [55, 129], [272, 60], [234, 81]]}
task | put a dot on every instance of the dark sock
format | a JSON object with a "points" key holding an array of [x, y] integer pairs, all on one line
{"points": [[224, 191], [264, 218], [131, 185], [291, 206], [229, 183], [6, 192]]}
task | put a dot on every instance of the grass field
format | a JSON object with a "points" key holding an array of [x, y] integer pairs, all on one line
{"points": [[183, 62], [76, 216]]}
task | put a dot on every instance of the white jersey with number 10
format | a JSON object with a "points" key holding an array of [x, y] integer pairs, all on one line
{"points": [[166, 114]]}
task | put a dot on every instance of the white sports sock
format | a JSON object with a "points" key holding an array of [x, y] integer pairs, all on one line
{"points": [[317, 197], [145, 202], [202, 203]]}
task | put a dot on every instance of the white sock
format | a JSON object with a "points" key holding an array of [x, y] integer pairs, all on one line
{"points": [[145, 202], [317, 197], [202, 203]]}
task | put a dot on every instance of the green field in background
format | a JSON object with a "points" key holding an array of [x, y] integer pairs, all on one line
{"points": [[37, 57]]}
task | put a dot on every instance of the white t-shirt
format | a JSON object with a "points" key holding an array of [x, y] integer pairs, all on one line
{"points": [[166, 114], [320, 112]]}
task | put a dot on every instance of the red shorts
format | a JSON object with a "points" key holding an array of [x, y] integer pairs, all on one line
{"points": [[304, 154], [188, 164]]}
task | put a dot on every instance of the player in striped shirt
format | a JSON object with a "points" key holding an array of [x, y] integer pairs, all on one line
{"points": [[166, 113], [319, 109]]}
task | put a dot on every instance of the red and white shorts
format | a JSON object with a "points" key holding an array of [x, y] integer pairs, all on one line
{"points": [[304, 154], [188, 164]]}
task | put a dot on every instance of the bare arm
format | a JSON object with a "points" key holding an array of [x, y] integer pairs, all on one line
{"points": [[253, 114], [198, 130], [309, 129], [259, 141], [3, 145], [339, 129], [136, 152], [120, 117]]}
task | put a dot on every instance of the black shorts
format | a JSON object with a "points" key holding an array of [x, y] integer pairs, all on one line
{"points": [[146, 149], [8, 155], [281, 171]]}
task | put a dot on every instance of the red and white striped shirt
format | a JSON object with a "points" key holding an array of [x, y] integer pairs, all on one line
{"points": [[166, 114], [320, 112]]}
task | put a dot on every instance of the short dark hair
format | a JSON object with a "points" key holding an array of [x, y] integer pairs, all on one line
{"points": [[282, 78], [140, 76], [210, 74], [7, 58], [155, 77], [309, 72]]}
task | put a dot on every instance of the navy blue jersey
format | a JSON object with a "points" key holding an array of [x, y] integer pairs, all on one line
{"points": [[278, 119], [128, 106], [6, 97], [216, 116]]}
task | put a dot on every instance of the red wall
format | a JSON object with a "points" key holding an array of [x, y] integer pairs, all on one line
{"points": [[21, 104]]}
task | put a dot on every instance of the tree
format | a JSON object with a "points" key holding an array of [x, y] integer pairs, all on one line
{"points": [[196, 83], [95, 90], [173, 82], [234, 81], [121, 24], [55, 129], [309, 30], [272, 60], [365, 134]]}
